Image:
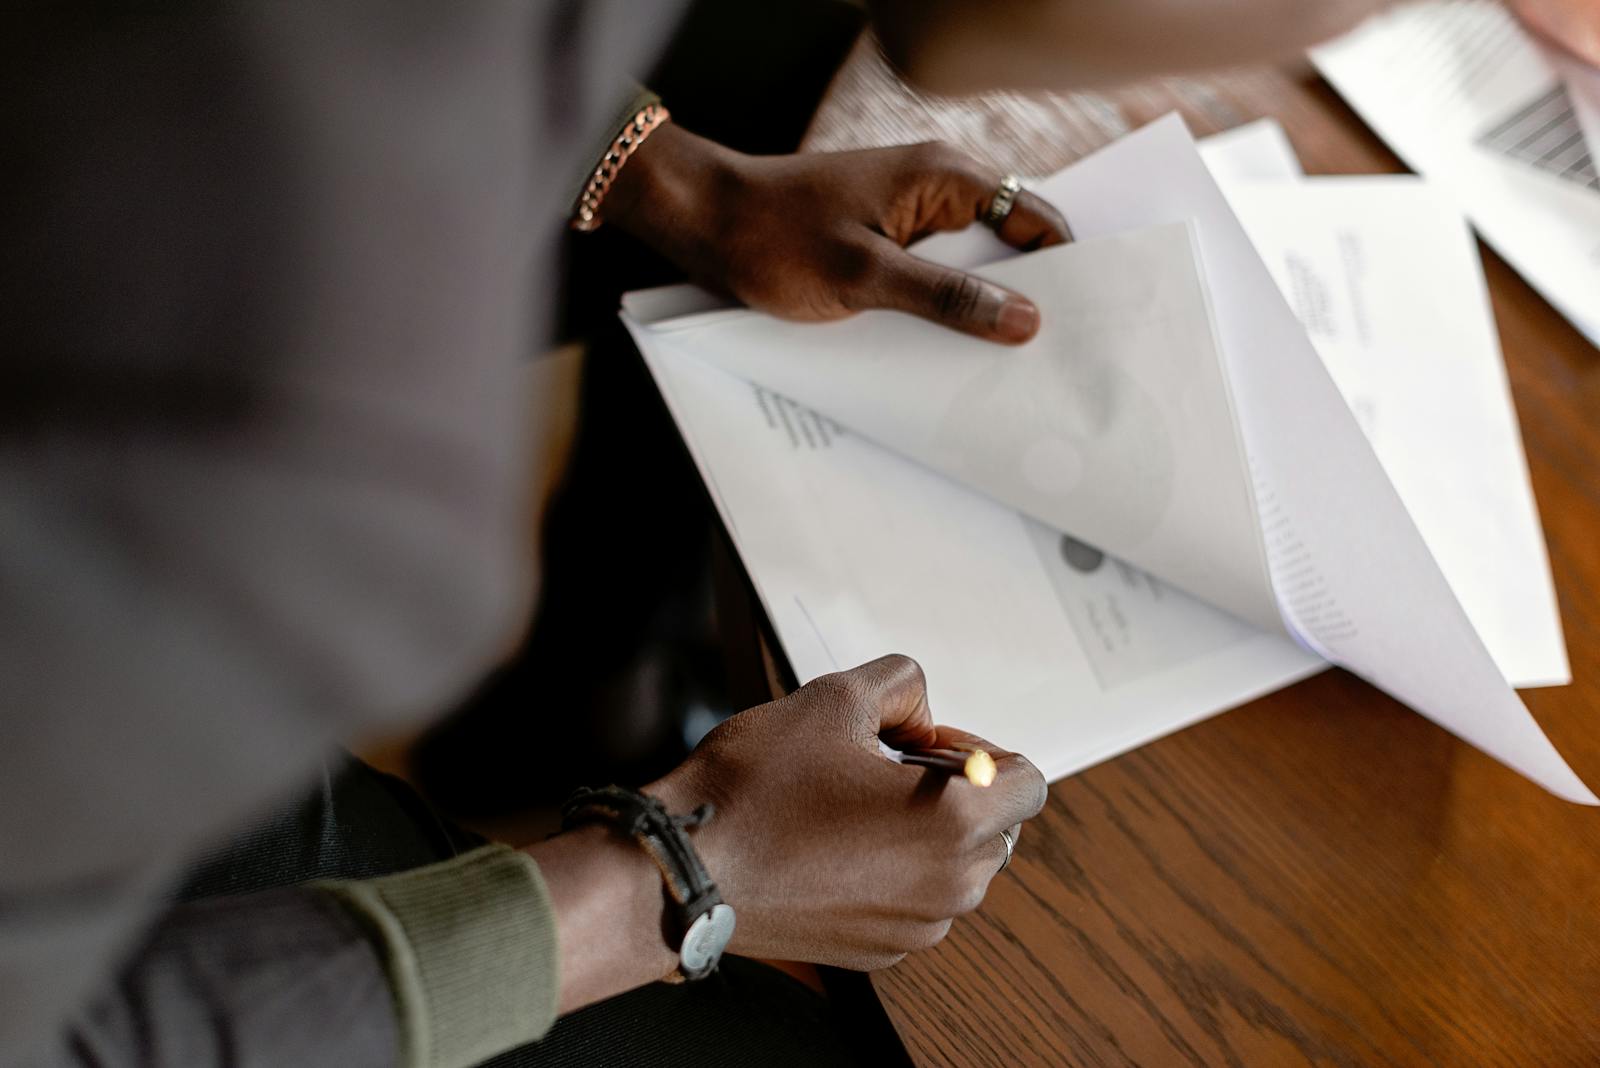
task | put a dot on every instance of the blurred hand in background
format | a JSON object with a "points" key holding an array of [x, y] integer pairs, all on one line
{"points": [[1571, 24]]}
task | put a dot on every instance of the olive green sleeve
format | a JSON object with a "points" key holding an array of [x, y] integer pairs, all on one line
{"points": [[470, 950]]}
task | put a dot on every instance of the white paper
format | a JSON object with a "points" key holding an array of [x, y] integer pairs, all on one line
{"points": [[1255, 152], [1384, 274], [1351, 572], [1026, 637], [1462, 93], [1382, 271], [1114, 424]]}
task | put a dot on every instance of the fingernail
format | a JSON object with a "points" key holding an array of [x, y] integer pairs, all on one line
{"points": [[1018, 320]]}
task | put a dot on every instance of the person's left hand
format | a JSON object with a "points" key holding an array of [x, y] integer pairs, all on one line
{"points": [[820, 236]]}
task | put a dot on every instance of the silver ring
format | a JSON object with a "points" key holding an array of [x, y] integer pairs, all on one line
{"points": [[1005, 198], [1011, 847]]}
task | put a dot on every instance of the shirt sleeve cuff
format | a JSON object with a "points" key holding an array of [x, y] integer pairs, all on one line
{"points": [[470, 949], [635, 102]]}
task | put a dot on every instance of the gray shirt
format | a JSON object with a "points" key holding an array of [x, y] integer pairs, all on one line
{"points": [[268, 273]]}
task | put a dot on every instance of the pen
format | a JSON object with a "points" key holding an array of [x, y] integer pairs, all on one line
{"points": [[976, 765]]}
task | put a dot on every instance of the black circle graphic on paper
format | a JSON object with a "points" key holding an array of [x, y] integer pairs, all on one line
{"points": [[1080, 556]]}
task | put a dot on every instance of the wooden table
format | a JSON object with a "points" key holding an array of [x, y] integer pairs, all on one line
{"points": [[1320, 877]]}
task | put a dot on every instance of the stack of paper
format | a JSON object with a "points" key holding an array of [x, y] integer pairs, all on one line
{"points": [[1510, 128], [1165, 504]]}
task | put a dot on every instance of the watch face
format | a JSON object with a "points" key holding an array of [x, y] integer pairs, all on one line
{"points": [[705, 940]]}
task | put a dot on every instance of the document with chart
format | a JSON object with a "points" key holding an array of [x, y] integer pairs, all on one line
{"points": [[1159, 508], [1469, 100]]}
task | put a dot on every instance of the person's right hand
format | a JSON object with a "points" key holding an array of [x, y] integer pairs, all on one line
{"points": [[828, 851]]}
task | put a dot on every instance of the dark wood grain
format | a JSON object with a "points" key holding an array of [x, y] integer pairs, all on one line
{"points": [[1320, 877]]}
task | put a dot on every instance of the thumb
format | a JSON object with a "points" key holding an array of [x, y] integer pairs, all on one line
{"points": [[951, 298]]}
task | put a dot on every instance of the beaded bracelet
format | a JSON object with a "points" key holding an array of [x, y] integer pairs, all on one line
{"points": [[586, 215]]}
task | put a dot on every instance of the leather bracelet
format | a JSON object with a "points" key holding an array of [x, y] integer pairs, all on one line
{"points": [[586, 213], [697, 921]]}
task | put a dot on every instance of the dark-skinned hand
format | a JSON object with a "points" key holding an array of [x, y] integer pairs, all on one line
{"points": [[819, 236], [830, 852]]}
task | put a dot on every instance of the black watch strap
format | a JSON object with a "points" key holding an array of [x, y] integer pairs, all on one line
{"points": [[698, 922]]}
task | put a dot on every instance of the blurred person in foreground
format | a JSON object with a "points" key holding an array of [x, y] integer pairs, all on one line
{"points": [[270, 270]]}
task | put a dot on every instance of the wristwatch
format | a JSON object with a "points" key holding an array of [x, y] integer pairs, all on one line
{"points": [[696, 921]]}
